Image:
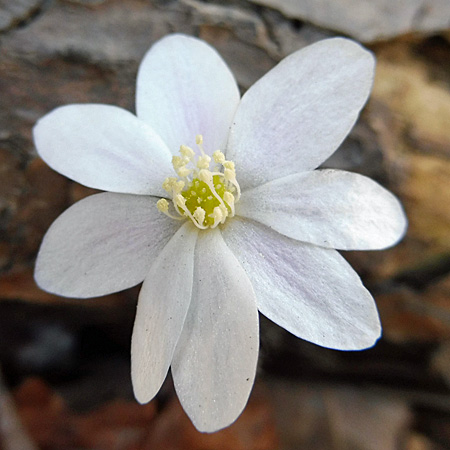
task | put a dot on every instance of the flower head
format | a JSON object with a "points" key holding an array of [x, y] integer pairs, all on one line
{"points": [[206, 197], [215, 204]]}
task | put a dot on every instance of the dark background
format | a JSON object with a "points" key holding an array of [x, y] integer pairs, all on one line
{"points": [[65, 363]]}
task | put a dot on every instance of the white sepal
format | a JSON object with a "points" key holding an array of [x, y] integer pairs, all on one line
{"points": [[298, 114], [185, 88], [103, 147], [330, 208], [215, 360], [104, 243], [162, 306], [308, 290]]}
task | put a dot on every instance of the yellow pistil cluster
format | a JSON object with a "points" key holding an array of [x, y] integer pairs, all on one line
{"points": [[205, 196]]}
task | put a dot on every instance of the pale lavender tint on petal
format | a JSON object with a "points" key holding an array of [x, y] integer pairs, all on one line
{"points": [[184, 88]]}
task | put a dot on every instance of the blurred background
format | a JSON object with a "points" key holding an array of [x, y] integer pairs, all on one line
{"points": [[65, 363]]}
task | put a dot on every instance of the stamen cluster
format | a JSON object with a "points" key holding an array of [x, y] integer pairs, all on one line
{"points": [[205, 196]]}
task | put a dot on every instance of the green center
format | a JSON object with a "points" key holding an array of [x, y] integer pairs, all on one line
{"points": [[198, 194]]}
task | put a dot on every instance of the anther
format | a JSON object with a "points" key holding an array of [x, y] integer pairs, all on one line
{"points": [[228, 198], [199, 215], [180, 201], [177, 161], [205, 176], [229, 174], [217, 215], [187, 151], [199, 142], [219, 157], [163, 205], [229, 165], [183, 172], [203, 162], [168, 183], [178, 186]]}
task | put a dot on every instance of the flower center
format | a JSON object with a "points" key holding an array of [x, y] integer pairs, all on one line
{"points": [[205, 196]]}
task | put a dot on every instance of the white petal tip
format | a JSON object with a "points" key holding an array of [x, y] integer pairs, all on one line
{"points": [[143, 391], [395, 229], [141, 398], [145, 383], [363, 341], [50, 284]]}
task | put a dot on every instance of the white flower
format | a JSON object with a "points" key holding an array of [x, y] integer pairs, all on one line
{"points": [[206, 276]]}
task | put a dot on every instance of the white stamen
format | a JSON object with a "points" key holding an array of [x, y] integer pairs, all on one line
{"points": [[194, 220], [177, 162], [229, 165], [219, 157], [205, 176], [229, 199], [231, 179], [199, 142], [180, 201], [224, 210], [217, 215], [183, 172], [203, 162], [163, 205], [229, 174], [187, 152], [168, 183], [199, 215], [187, 191], [178, 186]]}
